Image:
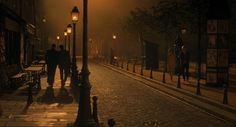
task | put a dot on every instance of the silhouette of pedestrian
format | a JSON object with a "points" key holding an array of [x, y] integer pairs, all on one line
{"points": [[185, 62], [171, 60], [64, 64], [177, 49], [51, 61]]}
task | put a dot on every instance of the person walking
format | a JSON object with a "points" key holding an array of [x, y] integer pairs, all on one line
{"points": [[64, 64], [51, 61], [185, 62], [171, 61]]}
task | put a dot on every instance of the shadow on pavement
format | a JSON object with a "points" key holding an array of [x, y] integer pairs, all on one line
{"points": [[49, 97]]}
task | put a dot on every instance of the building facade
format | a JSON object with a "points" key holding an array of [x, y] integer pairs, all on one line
{"points": [[17, 31]]}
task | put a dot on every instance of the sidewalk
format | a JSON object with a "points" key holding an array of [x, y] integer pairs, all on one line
{"points": [[59, 110], [209, 101]]}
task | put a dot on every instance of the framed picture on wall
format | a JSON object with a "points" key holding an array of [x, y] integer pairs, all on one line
{"points": [[212, 41], [223, 55], [211, 57], [223, 26], [212, 26], [222, 41]]}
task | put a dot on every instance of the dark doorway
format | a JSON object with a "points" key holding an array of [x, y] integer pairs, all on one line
{"points": [[12, 42], [152, 55]]}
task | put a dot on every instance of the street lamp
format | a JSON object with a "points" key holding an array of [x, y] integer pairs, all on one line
{"points": [[112, 49], [69, 30], [44, 35], [44, 20], [114, 36], [65, 34], [75, 18], [84, 117], [58, 40], [178, 44], [183, 31]]}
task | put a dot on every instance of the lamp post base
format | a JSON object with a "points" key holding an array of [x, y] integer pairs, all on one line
{"points": [[86, 123], [74, 78], [85, 117], [198, 92]]}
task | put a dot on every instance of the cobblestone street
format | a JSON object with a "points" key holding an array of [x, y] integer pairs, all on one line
{"points": [[132, 104], [129, 102]]}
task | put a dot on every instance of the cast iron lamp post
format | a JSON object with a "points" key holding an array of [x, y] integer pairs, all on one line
{"points": [[75, 18], [84, 117], [114, 37], [178, 45], [58, 40], [69, 30], [44, 35], [65, 35]]}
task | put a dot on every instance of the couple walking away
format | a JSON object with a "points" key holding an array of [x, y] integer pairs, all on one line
{"points": [[60, 58]]}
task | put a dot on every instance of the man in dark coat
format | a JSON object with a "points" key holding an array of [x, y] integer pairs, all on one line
{"points": [[51, 61], [185, 62], [64, 64]]}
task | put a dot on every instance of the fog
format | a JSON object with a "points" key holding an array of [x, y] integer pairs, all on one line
{"points": [[105, 16]]}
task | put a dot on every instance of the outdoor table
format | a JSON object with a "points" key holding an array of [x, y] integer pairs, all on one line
{"points": [[35, 74], [43, 63]]}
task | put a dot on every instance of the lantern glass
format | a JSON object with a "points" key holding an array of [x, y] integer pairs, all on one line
{"points": [[75, 14], [65, 33], [69, 29], [114, 37]]}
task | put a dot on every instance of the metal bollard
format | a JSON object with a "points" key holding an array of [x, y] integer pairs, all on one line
{"points": [[95, 111], [111, 122], [141, 70], [198, 92], [225, 99], [151, 74], [164, 77], [122, 64], [134, 67], [30, 96], [178, 83], [127, 67]]}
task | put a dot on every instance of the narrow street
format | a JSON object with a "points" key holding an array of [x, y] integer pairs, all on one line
{"points": [[133, 104]]}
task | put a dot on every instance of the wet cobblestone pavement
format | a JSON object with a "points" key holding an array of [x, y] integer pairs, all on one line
{"points": [[132, 104]]}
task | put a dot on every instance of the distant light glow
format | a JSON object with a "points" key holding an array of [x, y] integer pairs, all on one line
{"points": [[44, 20], [183, 31], [58, 37], [114, 36], [65, 33]]}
